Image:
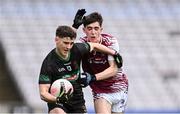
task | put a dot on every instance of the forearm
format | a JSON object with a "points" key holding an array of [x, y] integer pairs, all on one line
{"points": [[45, 95], [75, 29], [107, 73], [48, 97], [102, 48]]}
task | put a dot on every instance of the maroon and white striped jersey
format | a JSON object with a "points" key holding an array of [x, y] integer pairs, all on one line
{"points": [[96, 62]]}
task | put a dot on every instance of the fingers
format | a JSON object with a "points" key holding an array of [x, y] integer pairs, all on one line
{"points": [[83, 75], [69, 92], [61, 92], [81, 12], [78, 19], [83, 85], [61, 89]]}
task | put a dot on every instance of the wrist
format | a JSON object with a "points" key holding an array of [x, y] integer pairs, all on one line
{"points": [[75, 26], [57, 100], [115, 52], [93, 79]]}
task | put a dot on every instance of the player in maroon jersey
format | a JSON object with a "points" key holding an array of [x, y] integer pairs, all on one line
{"points": [[111, 85]]}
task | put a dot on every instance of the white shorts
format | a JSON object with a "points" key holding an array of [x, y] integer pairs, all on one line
{"points": [[117, 100]]}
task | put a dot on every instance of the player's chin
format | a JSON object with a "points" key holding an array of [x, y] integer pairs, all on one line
{"points": [[93, 39], [66, 52]]}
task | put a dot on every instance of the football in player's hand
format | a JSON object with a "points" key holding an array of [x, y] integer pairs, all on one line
{"points": [[61, 85]]}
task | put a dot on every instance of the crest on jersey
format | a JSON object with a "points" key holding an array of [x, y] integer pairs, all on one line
{"points": [[69, 68]]}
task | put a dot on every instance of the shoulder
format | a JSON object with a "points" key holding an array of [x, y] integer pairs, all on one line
{"points": [[104, 35], [83, 39], [82, 46], [108, 39], [80, 49], [50, 57]]}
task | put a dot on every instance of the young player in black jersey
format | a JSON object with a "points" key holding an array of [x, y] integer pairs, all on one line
{"points": [[64, 62]]}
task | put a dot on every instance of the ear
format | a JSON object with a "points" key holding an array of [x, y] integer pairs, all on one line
{"points": [[101, 28], [56, 39], [83, 29]]}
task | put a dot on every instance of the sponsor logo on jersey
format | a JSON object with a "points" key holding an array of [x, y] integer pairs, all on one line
{"points": [[61, 69], [97, 60], [72, 78]]}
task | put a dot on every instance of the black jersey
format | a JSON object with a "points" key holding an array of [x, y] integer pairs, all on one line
{"points": [[54, 68]]}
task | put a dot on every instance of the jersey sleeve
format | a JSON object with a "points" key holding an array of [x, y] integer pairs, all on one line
{"points": [[114, 45], [45, 74], [83, 48]]}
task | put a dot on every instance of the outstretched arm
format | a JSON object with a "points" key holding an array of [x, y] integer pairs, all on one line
{"points": [[101, 48], [104, 49], [109, 72], [114, 64], [87, 78]]}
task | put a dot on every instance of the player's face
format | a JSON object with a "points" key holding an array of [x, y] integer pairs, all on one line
{"points": [[93, 32], [64, 45]]}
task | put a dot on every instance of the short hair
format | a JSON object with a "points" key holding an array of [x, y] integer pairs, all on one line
{"points": [[93, 17], [65, 31]]}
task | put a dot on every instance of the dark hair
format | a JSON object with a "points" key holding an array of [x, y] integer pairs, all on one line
{"points": [[65, 31], [93, 17]]}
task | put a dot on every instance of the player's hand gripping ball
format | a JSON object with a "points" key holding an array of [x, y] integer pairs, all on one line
{"points": [[60, 87]]}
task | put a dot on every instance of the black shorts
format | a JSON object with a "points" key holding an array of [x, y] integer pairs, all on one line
{"points": [[80, 108]]}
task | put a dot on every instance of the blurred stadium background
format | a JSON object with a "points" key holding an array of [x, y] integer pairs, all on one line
{"points": [[149, 37]]}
